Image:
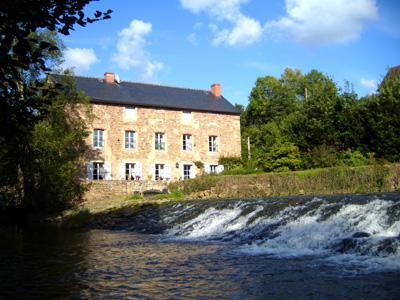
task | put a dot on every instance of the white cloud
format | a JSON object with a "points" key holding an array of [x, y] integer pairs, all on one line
{"points": [[370, 84], [244, 31], [192, 38], [322, 22], [80, 59], [131, 50]]}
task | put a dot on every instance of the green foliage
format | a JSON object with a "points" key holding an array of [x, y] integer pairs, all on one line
{"points": [[381, 114], [58, 147], [197, 184], [281, 158], [37, 168], [78, 219], [354, 159], [199, 165], [328, 125], [135, 196], [322, 156], [231, 163], [173, 195]]}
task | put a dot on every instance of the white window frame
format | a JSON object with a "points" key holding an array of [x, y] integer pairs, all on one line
{"points": [[187, 142], [213, 169], [159, 171], [212, 143], [130, 169], [130, 139], [98, 171], [190, 170], [159, 141], [98, 138]]}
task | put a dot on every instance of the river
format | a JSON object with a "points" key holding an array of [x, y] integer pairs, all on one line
{"points": [[337, 247]]}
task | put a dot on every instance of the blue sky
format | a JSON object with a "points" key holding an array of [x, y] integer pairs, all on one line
{"points": [[194, 43]]}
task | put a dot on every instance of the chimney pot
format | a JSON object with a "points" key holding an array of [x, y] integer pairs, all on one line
{"points": [[109, 77], [216, 89]]}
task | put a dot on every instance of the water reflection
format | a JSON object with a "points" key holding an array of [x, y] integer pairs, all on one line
{"points": [[47, 263]]}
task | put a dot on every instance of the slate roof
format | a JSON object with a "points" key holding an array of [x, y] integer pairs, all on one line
{"points": [[152, 95]]}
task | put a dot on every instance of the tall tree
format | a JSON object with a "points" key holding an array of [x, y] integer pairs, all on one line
{"points": [[24, 101]]}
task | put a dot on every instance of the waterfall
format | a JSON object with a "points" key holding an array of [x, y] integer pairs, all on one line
{"points": [[362, 230]]}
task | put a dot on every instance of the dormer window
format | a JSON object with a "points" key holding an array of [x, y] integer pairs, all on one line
{"points": [[130, 112], [186, 116]]}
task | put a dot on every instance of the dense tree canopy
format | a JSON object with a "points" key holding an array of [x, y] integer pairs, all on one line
{"points": [[305, 120], [29, 48]]}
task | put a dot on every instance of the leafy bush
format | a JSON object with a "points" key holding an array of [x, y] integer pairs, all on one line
{"points": [[231, 162], [281, 158], [321, 157], [353, 159]]}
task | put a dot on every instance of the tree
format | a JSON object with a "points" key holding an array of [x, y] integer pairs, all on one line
{"points": [[315, 121], [381, 119], [25, 100]]}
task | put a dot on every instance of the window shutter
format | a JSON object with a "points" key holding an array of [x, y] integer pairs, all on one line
{"points": [[122, 171], [152, 171], [89, 171], [192, 172], [167, 171], [220, 168], [138, 170], [207, 168], [107, 169]]}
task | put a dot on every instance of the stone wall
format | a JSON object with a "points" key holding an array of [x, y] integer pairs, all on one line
{"points": [[114, 120], [103, 189]]}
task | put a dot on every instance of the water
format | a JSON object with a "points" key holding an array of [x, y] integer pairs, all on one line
{"points": [[276, 248]]}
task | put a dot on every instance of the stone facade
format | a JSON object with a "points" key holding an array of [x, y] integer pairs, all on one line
{"points": [[114, 120]]}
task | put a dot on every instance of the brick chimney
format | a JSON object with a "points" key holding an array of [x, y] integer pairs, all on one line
{"points": [[109, 77], [216, 89]]}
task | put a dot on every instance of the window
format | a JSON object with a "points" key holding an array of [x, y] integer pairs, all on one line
{"points": [[213, 168], [187, 142], [130, 140], [212, 143], [186, 116], [159, 141], [98, 138], [98, 171], [130, 112], [130, 171], [187, 171], [159, 172]]}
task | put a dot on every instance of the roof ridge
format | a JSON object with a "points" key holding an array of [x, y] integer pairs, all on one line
{"points": [[168, 86], [146, 83]]}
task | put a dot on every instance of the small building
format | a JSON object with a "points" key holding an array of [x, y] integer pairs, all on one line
{"points": [[152, 132]]}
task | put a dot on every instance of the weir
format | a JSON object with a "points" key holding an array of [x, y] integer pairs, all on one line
{"points": [[354, 229]]}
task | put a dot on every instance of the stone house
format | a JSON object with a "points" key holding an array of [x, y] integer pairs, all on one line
{"points": [[153, 132]]}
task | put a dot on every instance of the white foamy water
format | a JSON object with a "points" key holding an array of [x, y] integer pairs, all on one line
{"points": [[351, 234]]}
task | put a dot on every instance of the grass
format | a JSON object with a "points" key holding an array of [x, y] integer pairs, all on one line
{"points": [[176, 195], [78, 219], [336, 180], [134, 197]]}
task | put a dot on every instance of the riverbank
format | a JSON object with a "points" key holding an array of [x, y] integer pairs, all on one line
{"points": [[107, 211]]}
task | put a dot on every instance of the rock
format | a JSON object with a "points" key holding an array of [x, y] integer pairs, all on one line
{"points": [[360, 234]]}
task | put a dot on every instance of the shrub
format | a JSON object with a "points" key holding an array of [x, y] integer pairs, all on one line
{"points": [[281, 158], [231, 162], [323, 156], [353, 159]]}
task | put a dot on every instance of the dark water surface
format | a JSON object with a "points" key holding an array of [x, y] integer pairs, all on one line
{"points": [[194, 259]]}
